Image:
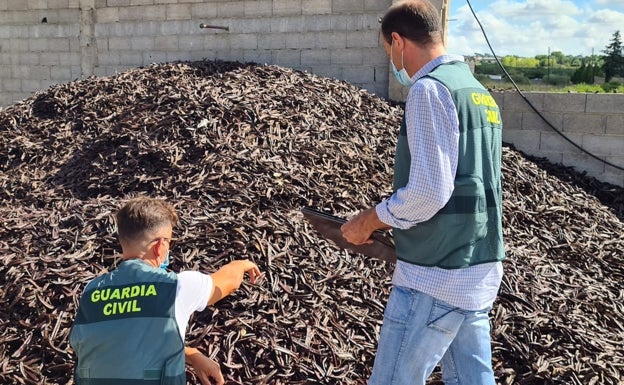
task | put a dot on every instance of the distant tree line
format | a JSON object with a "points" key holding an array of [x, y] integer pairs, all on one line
{"points": [[560, 69]]}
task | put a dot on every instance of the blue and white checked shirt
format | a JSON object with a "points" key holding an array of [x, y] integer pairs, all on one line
{"points": [[433, 138]]}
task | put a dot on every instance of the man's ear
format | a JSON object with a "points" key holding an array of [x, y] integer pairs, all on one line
{"points": [[397, 40], [156, 247]]}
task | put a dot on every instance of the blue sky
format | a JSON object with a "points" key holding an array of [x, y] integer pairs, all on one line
{"points": [[530, 27]]}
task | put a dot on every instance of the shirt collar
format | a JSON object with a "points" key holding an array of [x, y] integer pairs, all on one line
{"points": [[433, 64]]}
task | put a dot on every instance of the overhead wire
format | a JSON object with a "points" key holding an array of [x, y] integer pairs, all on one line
{"points": [[529, 102]]}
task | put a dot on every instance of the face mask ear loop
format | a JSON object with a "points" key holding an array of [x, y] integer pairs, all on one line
{"points": [[402, 63]]}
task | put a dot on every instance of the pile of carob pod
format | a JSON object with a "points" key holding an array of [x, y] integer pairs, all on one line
{"points": [[239, 149]]}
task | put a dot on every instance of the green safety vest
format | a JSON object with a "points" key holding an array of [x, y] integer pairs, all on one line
{"points": [[468, 229], [125, 331]]}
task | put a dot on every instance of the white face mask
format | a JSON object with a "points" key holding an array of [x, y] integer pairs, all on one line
{"points": [[402, 76]]}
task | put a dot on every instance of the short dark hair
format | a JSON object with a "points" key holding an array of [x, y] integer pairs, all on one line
{"points": [[416, 20], [143, 214]]}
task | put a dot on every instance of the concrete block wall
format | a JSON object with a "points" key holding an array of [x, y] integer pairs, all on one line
{"points": [[43, 42], [39, 46], [595, 122]]}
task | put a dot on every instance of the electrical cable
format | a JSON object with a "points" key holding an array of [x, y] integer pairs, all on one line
{"points": [[529, 102]]}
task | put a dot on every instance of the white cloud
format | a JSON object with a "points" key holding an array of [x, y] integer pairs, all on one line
{"points": [[610, 2], [532, 27], [606, 16], [534, 8]]}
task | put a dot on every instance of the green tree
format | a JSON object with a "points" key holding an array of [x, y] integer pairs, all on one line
{"points": [[584, 74], [568, 60], [542, 59], [613, 60], [528, 62], [577, 76], [556, 57], [513, 61], [577, 61], [510, 61]]}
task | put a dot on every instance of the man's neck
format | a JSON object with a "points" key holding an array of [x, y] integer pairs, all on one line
{"points": [[152, 261]]}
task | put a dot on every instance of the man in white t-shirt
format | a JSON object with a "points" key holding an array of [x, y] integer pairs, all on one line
{"points": [[131, 322]]}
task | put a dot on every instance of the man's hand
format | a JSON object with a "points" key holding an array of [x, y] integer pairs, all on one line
{"points": [[229, 278], [206, 369], [251, 269], [359, 228]]}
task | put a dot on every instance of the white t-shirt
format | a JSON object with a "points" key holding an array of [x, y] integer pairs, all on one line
{"points": [[193, 292]]}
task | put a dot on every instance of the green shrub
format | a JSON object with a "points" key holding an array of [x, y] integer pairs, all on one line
{"points": [[613, 87], [584, 88], [519, 78], [557, 80]]}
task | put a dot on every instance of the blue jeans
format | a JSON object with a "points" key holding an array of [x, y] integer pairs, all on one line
{"points": [[418, 332]]}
